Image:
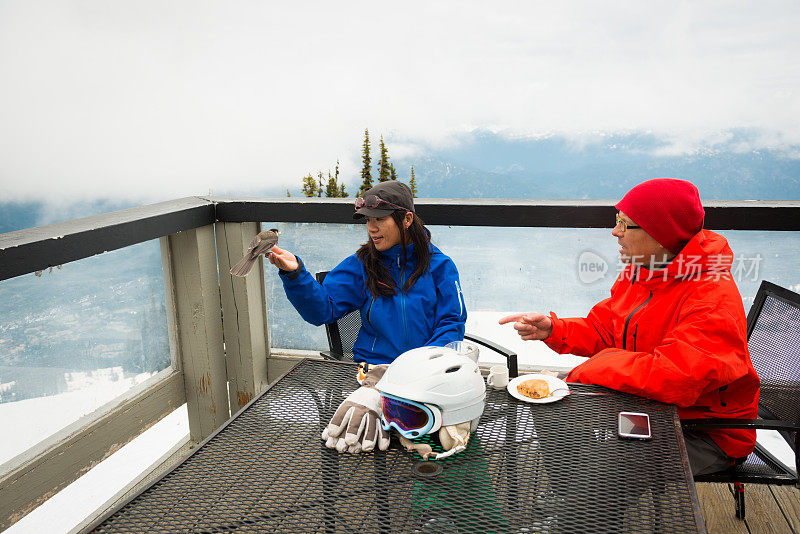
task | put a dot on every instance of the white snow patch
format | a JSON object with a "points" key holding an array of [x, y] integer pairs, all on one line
{"points": [[774, 443], [72, 505], [38, 418]]}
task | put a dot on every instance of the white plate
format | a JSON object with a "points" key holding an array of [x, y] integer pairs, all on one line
{"points": [[553, 382]]}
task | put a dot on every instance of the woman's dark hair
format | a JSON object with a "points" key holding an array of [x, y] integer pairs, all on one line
{"points": [[379, 281]]}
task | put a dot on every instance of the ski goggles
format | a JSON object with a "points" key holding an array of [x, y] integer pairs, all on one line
{"points": [[412, 419], [372, 202]]}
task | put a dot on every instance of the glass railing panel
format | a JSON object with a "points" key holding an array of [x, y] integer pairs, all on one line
{"points": [[564, 270], [512, 270], [757, 256], [502, 270], [506, 270], [74, 338], [321, 247]]}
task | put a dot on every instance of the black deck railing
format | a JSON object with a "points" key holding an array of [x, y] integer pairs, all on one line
{"points": [[35, 249]]}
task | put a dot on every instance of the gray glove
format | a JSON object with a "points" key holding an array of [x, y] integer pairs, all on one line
{"points": [[454, 439], [356, 425]]}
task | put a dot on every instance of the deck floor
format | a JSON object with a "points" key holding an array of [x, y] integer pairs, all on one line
{"points": [[767, 509]]}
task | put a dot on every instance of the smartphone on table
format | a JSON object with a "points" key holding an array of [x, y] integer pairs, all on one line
{"points": [[634, 425]]}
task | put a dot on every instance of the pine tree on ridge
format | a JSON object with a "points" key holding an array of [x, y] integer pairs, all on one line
{"points": [[413, 183], [366, 159], [309, 186], [383, 163]]}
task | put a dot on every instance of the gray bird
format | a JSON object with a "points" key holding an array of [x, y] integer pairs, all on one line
{"points": [[260, 244]]}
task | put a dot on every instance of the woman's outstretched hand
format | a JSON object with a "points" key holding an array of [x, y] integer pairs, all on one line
{"points": [[282, 259], [530, 326]]}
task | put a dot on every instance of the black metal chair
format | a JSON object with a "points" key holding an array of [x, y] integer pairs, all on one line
{"points": [[773, 334], [343, 333]]}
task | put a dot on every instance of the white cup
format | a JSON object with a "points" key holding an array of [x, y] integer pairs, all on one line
{"points": [[465, 348], [498, 377]]}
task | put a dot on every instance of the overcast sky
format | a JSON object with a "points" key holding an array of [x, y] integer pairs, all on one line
{"points": [[160, 99]]}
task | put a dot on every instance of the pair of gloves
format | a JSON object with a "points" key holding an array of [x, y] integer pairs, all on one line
{"points": [[356, 425]]}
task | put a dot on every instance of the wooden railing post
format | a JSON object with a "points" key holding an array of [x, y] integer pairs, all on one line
{"points": [[195, 293], [244, 314]]}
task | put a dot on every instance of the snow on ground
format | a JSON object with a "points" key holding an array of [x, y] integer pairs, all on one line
{"points": [[774, 443], [38, 418], [69, 507]]}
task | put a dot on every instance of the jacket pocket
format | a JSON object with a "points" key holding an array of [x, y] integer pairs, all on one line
{"points": [[722, 403]]}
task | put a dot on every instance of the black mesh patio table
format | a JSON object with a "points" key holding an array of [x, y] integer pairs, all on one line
{"points": [[557, 467]]}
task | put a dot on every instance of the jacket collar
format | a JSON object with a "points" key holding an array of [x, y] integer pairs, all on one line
{"points": [[396, 252], [706, 255]]}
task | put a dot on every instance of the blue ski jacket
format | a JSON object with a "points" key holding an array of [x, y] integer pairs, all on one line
{"points": [[431, 313]]}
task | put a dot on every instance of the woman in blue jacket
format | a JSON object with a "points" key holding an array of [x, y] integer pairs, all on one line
{"points": [[407, 290]]}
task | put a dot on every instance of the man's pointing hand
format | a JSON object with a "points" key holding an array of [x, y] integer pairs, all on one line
{"points": [[530, 326]]}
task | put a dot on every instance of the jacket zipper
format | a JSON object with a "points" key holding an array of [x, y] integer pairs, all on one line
{"points": [[403, 298], [369, 312], [635, 331], [628, 320], [369, 320]]}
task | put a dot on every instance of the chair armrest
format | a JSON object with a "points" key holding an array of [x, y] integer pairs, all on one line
{"points": [[764, 424], [511, 356], [329, 355]]}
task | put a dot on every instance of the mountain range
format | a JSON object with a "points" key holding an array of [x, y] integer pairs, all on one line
{"points": [[489, 165]]}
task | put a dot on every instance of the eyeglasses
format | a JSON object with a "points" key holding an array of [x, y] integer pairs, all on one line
{"points": [[372, 202], [624, 224], [412, 419]]}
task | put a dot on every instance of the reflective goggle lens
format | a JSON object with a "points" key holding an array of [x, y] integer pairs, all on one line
{"points": [[410, 418], [372, 202]]}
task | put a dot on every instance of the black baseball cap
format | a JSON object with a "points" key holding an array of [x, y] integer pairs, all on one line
{"points": [[391, 191]]}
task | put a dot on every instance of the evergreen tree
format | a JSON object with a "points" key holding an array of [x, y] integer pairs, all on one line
{"points": [[383, 164], [366, 175], [332, 189], [336, 180], [413, 183], [314, 187], [288, 194], [309, 186], [392, 172]]}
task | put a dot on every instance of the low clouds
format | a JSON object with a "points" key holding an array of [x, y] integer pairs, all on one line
{"points": [[158, 100]]}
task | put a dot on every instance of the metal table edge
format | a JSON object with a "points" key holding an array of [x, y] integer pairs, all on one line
{"points": [[698, 513], [102, 519]]}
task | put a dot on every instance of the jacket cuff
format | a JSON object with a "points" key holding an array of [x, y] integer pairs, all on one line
{"points": [[291, 275], [556, 338]]}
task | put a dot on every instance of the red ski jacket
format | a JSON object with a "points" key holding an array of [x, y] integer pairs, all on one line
{"points": [[676, 335]]}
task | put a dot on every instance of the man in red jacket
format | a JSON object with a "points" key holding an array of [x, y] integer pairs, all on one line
{"points": [[674, 328]]}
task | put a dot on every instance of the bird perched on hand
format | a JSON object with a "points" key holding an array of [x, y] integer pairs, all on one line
{"points": [[260, 244]]}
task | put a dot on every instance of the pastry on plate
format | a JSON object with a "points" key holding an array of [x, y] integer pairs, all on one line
{"points": [[535, 388]]}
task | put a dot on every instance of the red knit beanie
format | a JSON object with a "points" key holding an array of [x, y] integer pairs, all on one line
{"points": [[667, 209]]}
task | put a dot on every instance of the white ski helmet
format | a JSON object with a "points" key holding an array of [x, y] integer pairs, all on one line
{"points": [[440, 378]]}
